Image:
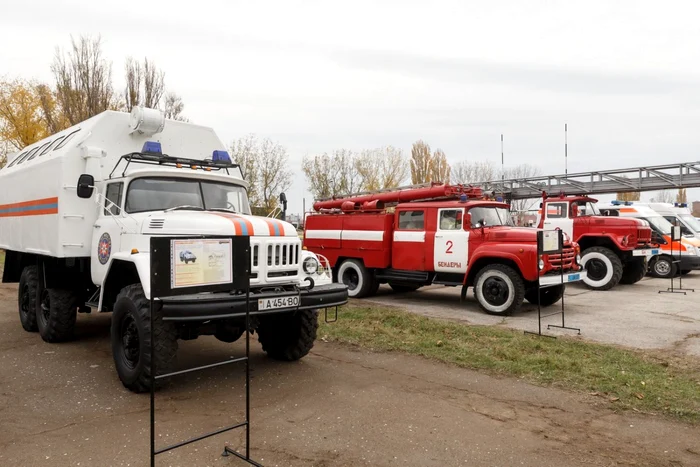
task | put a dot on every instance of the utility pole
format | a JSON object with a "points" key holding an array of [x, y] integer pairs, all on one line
{"points": [[566, 150], [503, 170]]}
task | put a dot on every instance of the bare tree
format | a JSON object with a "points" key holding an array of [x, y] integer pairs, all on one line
{"points": [[521, 171], [420, 162], [265, 165], [83, 80], [663, 196], [628, 196], [682, 196], [394, 168], [173, 107], [332, 175], [134, 75], [439, 168], [472, 172]]}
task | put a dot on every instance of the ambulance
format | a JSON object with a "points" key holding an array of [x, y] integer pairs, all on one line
{"points": [[687, 250], [678, 214]]}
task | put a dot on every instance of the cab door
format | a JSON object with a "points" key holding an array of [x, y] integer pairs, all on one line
{"points": [[451, 242], [557, 217], [409, 240], [106, 235]]}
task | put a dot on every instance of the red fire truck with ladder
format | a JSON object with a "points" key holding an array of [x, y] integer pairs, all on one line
{"points": [[437, 234], [613, 249]]}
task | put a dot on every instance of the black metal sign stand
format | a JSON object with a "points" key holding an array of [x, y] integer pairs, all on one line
{"points": [[542, 248], [161, 264], [676, 237]]}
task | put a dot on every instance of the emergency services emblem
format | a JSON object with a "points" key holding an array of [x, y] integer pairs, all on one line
{"points": [[104, 248]]}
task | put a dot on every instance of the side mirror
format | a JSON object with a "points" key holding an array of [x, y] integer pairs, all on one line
{"points": [[86, 185]]}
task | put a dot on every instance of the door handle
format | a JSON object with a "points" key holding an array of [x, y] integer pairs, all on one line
{"points": [[97, 226]]}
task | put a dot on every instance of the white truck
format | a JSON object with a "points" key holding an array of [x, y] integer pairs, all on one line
{"points": [[78, 209]]}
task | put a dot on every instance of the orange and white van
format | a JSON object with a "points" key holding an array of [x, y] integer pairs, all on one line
{"points": [[674, 256]]}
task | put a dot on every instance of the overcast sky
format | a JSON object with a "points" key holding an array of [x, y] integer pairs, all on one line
{"points": [[322, 75]]}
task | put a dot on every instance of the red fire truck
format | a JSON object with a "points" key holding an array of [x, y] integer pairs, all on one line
{"points": [[437, 234], [613, 250]]}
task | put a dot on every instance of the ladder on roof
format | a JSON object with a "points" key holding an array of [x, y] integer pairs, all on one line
{"points": [[646, 178]]}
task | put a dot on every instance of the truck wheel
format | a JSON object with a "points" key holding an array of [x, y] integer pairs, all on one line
{"points": [[403, 288], [56, 314], [685, 271], [499, 289], [355, 275], [603, 267], [131, 339], [634, 271], [548, 296], [288, 336], [662, 267], [26, 298]]}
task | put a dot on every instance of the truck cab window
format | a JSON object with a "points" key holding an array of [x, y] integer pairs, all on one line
{"points": [[557, 210], [490, 216], [113, 194], [450, 219], [411, 220]]}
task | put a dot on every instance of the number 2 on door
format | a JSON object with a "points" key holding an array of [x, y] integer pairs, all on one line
{"points": [[449, 247]]}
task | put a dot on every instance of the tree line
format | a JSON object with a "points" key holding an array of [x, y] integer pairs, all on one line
{"points": [[81, 88]]}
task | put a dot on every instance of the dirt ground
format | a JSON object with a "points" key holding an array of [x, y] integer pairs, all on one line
{"points": [[631, 315], [63, 405]]}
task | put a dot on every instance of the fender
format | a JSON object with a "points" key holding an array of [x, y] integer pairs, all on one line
{"points": [[142, 262], [615, 239], [527, 257]]}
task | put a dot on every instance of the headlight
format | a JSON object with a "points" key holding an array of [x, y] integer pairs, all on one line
{"points": [[541, 264], [690, 249], [578, 259], [310, 266]]}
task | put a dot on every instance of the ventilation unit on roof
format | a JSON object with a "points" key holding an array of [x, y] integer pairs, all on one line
{"points": [[145, 121]]}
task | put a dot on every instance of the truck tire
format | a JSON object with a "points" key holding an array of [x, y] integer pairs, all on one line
{"points": [[26, 298], [499, 289], [131, 339], [288, 336], [56, 314], [548, 296], [403, 288], [355, 275], [662, 266], [634, 271], [603, 267]]}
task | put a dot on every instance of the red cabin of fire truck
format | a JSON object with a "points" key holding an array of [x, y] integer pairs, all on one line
{"points": [[437, 234], [613, 250]]}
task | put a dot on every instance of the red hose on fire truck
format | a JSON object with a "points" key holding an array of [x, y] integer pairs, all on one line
{"points": [[437, 234]]}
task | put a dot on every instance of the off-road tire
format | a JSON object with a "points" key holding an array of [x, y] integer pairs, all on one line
{"points": [[663, 267], [634, 271], [132, 308], [355, 275], [27, 298], [548, 295], [497, 276], [288, 336], [608, 260], [399, 288], [56, 313]]}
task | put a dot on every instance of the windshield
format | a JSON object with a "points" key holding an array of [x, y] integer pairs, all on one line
{"points": [[588, 209], [659, 224], [490, 216], [159, 194], [691, 221]]}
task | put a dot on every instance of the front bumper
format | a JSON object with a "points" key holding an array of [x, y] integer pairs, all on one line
{"points": [[646, 252], [223, 305], [687, 263], [557, 278]]}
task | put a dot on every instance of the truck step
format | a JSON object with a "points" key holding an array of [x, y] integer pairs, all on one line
{"points": [[404, 276], [94, 299]]}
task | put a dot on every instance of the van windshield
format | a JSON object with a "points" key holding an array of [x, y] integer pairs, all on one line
{"points": [[659, 224], [691, 221], [159, 194], [490, 216]]}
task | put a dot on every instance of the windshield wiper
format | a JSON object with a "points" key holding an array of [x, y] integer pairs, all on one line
{"points": [[222, 210], [188, 207]]}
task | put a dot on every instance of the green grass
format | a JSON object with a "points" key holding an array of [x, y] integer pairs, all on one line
{"points": [[628, 379]]}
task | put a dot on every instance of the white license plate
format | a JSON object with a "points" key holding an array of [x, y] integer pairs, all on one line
{"points": [[278, 302], [574, 277]]}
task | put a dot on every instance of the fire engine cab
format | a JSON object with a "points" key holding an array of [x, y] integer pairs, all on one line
{"points": [[613, 250], [437, 234]]}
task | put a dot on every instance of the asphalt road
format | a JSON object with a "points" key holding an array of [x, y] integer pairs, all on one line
{"points": [[63, 405], [630, 315]]}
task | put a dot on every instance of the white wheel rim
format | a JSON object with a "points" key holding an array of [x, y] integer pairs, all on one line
{"points": [[608, 264], [341, 272], [480, 295]]}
